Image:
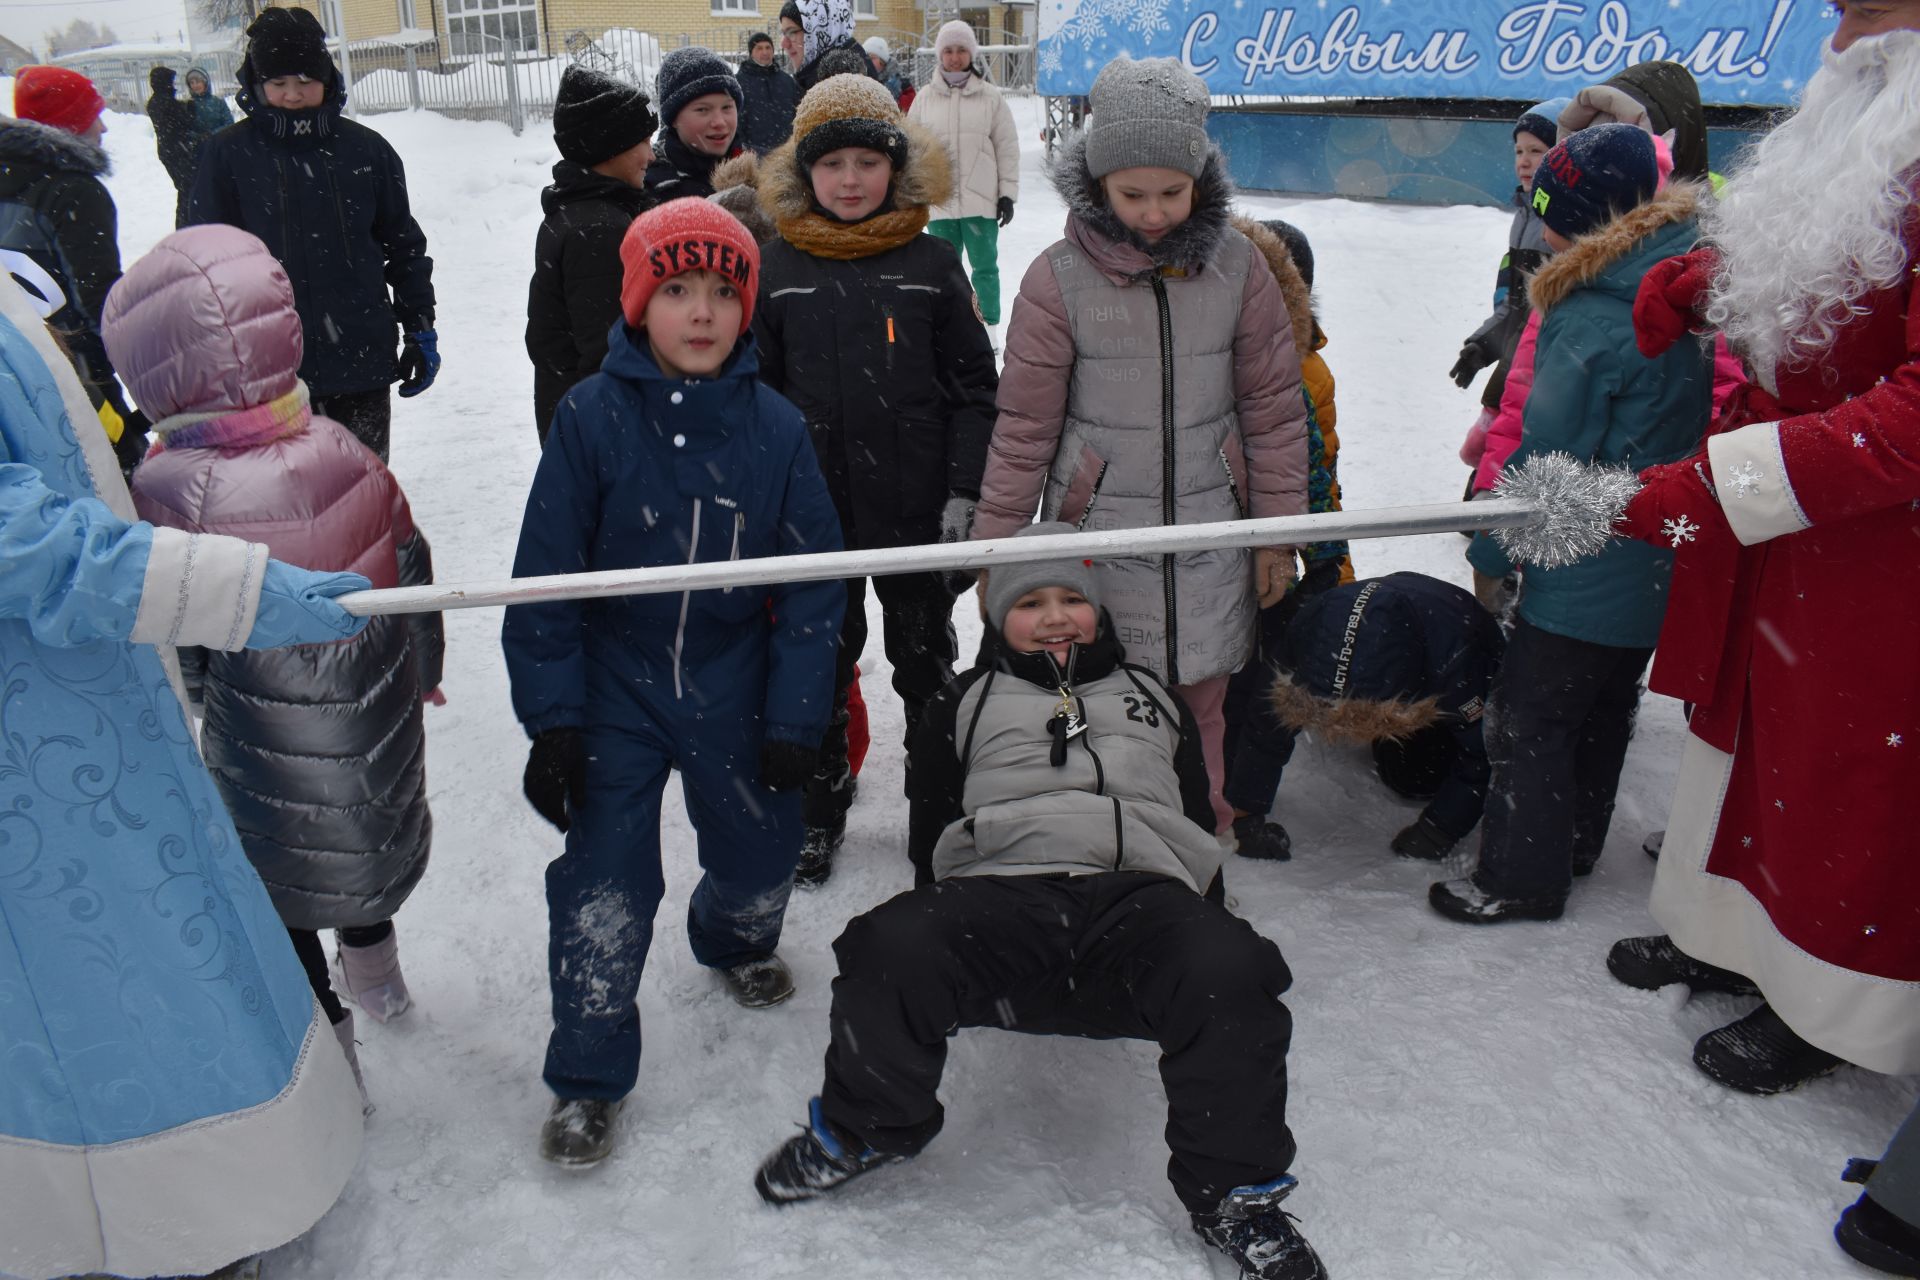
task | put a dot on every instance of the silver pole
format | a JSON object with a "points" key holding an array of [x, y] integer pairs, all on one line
{"points": [[1273, 531]]}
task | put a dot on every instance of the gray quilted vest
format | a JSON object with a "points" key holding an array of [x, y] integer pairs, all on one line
{"points": [[1152, 438]]}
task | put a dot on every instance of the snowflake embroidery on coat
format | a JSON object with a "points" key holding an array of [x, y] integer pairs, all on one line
{"points": [[1746, 842], [1894, 739], [1744, 480], [1859, 440], [1679, 529]]}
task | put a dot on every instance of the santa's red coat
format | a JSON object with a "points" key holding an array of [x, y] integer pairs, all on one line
{"points": [[1792, 854]]}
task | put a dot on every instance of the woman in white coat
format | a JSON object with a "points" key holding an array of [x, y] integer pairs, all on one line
{"points": [[966, 113]]}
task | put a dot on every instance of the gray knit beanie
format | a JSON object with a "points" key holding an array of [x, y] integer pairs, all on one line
{"points": [[1148, 114], [1006, 583]]}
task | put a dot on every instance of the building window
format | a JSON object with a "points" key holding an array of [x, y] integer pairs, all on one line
{"points": [[492, 26], [866, 10], [330, 17], [734, 8], [406, 15]]}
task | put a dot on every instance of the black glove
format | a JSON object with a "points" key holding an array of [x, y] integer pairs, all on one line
{"points": [[1006, 210], [1474, 356], [787, 766], [1423, 840], [556, 776], [131, 447]]}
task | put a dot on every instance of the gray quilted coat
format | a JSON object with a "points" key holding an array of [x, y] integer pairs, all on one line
{"points": [[1152, 385], [319, 750]]}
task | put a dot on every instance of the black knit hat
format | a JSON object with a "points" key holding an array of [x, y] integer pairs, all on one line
{"points": [[288, 42], [160, 79], [791, 12], [1595, 176], [596, 117], [1297, 247], [693, 72], [757, 38]]}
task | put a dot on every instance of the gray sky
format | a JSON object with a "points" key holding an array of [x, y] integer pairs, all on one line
{"points": [[132, 20]]}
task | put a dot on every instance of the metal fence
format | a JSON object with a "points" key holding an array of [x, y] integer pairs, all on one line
{"points": [[514, 84]]}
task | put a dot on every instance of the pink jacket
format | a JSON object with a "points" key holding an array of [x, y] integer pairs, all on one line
{"points": [[1503, 435]]}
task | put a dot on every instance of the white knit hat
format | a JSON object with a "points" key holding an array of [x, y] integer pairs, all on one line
{"points": [[957, 35]]}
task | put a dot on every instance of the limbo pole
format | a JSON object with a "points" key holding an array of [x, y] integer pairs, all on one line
{"points": [[1274, 531]]}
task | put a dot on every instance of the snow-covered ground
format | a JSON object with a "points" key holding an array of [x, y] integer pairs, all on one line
{"points": [[1476, 1103]]}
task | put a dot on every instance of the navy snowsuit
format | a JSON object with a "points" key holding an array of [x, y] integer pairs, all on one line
{"points": [[644, 469]]}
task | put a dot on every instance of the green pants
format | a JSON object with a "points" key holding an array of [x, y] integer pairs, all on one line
{"points": [[979, 240]]}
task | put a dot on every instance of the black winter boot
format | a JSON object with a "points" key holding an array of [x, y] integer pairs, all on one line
{"points": [[1870, 1234], [812, 1163], [1253, 1231], [1760, 1054], [816, 854], [755, 984], [1467, 902], [1262, 838], [1655, 962], [579, 1131]]}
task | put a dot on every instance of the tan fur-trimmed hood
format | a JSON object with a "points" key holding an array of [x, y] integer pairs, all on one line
{"points": [[926, 179], [1351, 720], [1593, 253], [1293, 286], [736, 188]]}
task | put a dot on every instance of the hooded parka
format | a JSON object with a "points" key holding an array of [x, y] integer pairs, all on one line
{"points": [[976, 126], [319, 750], [1146, 386]]}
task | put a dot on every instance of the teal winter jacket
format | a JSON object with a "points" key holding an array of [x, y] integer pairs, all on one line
{"points": [[1596, 397]]}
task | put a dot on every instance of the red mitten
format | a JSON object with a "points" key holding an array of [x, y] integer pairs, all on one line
{"points": [[1667, 307], [1676, 506]]}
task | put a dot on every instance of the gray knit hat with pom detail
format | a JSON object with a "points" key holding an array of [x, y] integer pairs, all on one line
{"points": [[1148, 114]]}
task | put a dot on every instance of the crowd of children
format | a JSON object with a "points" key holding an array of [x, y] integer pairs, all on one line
{"points": [[818, 374]]}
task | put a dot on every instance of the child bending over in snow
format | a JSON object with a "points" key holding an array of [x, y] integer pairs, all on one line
{"points": [[1067, 881], [672, 454], [1562, 707], [1152, 379]]}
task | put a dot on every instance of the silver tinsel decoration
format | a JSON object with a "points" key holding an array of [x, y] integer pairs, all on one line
{"points": [[1578, 503]]}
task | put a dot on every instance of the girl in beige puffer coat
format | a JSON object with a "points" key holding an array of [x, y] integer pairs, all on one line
{"points": [[1151, 379], [966, 113]]}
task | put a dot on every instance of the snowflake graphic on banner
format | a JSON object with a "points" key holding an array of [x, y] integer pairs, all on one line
{"points": [[1679, 529], [1092, 27]]}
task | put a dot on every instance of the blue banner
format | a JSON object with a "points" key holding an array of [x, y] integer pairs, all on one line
{"points": [[1756, 52]]}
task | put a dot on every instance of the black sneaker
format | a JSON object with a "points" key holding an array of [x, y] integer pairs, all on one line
{"points": [[816, 854], [1252, 1231], [755, 984], [812, 1163], [1760, 1054], [579, 1131], [1655, 962], [1870, 1234], [1467, 902], [1258, 837]]}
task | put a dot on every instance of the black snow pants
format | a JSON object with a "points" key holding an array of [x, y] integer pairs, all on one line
{"points": [[1559, 718], [1113, 954]]}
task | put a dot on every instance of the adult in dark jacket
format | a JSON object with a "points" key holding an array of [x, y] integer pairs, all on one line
{"points": [[770, 96], [59, 230], [1658, 97], [869, 327], [700, 108], [1067, 882], [812, 29], [1403, 663], [211, 113], [329, 198], [175, 136], [604, 129]]}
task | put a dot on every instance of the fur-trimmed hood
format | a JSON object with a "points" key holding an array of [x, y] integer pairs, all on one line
{"points": [[1351, 720], [56, 150], [1593, 254], [925, 179], [736, 188], [1293, 285], [1186, 248]]}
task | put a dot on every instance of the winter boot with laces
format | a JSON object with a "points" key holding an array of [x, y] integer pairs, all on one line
{"points": [[1262, 838], [812, 1163], [1253, 1231], [755, 984], [371, 977], [1655, 962], [579, 1131], [1760, 1054]]}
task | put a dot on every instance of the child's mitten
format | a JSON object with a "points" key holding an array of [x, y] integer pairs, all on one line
{"points": [[556, 775]]}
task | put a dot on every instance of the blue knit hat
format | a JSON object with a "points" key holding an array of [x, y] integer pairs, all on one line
{"points": [[693, 72], [1542, 120], [1595, 176]]}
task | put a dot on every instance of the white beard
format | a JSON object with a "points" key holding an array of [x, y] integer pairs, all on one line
{"points": [[1811, 221]]}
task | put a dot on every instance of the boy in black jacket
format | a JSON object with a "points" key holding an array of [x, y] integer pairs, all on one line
{"points": [[1068, 882], [870, 328], [604, 130]]}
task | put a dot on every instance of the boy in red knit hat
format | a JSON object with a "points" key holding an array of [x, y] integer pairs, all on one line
{"points": [[674, 453]]}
